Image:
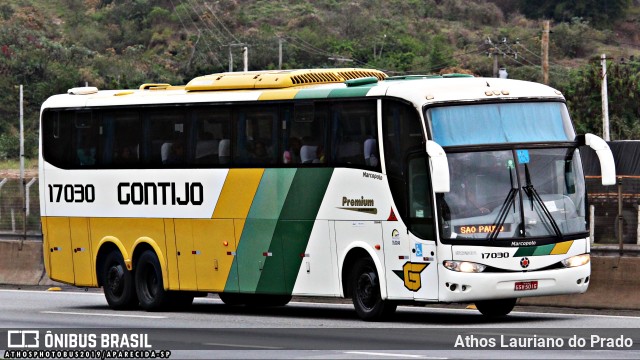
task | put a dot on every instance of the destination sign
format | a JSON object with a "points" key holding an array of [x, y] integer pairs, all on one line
{"points": [[480, 229]]}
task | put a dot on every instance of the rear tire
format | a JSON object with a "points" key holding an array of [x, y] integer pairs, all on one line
{"points": [[117, 283], [148, 283], [365, 288], [496, 308]]}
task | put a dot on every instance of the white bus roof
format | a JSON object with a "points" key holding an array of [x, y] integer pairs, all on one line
{"points": [[309, 84]]}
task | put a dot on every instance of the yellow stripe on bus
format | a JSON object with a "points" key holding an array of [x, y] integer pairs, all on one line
{"points": [[285, 94], [561, 248], [237, 194]]}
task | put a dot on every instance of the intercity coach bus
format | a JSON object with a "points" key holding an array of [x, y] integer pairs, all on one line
{"points": [[262, 185]]}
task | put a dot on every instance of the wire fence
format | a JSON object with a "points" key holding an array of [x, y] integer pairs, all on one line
{"points": [[605, 200], [20, 210]]}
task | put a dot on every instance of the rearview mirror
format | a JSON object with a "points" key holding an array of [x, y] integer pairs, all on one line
{"points": [[607, 165], [439, 167]]}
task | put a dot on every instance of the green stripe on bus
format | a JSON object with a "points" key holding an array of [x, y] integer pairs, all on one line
{"points": [[543, 250], [525, 251], [259, 227], [534, 250], [358, 91], [312, 94], [293, 231]]}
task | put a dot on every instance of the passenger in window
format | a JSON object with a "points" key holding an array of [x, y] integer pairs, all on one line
{"points": [[176, 153], [125, 156], [260, 152], [292, 155], [86, 154], [320, 155]]}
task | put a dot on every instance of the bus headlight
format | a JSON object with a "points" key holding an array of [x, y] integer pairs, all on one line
{"points": [[577, 260], [464, 266]]}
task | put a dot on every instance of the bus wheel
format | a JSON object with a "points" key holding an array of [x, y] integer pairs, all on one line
{"points": [[232, 299], [496, 308], [118, 283], [149, 286], [365, 288]]}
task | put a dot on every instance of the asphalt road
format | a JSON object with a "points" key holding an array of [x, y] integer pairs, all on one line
{"points": [[330, 329]]}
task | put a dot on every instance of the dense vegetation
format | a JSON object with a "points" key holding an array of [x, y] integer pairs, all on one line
{"points": [[52, 45]]}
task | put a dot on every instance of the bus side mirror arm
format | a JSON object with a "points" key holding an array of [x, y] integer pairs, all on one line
{"points": [[439, 167], [605, 156]]}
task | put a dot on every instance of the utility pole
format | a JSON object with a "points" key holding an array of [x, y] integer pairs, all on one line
{"points": [[21, 136], [545, 53], [493, 51], [245, 58], [22, 188], [245, 52], [605, 99], [279, 53]]}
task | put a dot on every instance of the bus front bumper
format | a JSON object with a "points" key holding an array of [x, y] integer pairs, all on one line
{"points": [[469, 287]]}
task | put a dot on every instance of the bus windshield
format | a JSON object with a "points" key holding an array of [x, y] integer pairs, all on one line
{"points": [[510, 194], [509, 191]]}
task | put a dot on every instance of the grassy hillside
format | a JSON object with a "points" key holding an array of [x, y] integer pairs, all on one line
{"points": [[52, 45]]}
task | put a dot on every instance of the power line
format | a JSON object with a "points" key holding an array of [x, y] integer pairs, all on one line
{"points": [[221, 23], [197, 12], [205, 59]]}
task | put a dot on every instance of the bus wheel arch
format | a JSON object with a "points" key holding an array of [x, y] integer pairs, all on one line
{"points": [[146, 244], [362, 282], [117, 281]]}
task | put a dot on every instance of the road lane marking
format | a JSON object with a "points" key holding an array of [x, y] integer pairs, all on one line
{"points": [[63, 292], [244, 346], [100, 314], [391, 354]]}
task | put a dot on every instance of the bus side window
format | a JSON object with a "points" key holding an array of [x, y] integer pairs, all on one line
{"points": [[353, 124], [86, 138], [305, 136], [256, 143], [120, 139], [212, 132], [56, 138], [167, 138]]}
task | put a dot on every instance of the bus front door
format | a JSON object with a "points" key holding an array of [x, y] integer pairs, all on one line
{"points": [[410, 264]]}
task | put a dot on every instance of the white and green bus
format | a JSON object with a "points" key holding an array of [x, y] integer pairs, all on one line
{"points": [[260, 186]]}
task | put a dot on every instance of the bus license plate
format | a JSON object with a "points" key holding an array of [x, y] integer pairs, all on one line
{"points": [[526, 285]]}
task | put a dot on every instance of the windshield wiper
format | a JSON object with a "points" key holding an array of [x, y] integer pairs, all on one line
{"points": [[504, 209], [533, 195], [502, 215]]}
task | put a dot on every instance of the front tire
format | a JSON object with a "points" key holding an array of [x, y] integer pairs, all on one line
{"points": [[118, 283], [232, 299], [365, 287], [496, 308], [148, 283]]}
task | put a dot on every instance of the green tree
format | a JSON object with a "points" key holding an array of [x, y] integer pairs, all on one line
{"points": [[602, 13]]}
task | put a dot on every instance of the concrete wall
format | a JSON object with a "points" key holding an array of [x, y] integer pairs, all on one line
{"points": [[615, 281], [615, 284], [22, 265]]}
